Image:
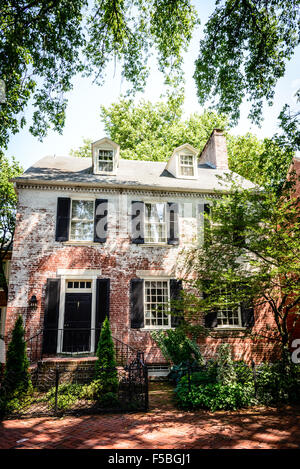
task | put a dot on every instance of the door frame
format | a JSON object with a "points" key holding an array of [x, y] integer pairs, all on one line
{"points": [[76, 274]]}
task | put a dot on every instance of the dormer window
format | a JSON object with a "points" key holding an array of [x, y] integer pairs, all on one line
{"points": [[106, 161], [186, 165], [106, 155], [183, 163]]}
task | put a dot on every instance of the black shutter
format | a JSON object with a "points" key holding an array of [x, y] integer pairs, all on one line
{"points": [[175, 289], [247, 314], [211, 318], [136, 303], [137, 222], [102, 305], [63, 218], [51, 315], [172, 217], [100, 220], [206, 223]]}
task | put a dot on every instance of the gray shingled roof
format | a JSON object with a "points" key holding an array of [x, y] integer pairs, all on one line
{"points": [[130, 173]]}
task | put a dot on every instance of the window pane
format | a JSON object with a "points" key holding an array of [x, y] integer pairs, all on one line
{"points": [[106, 166], [155, 233], [105, 160], [187, 171], [83, 209], [155, 213], [83, 231], [155, 223], [187, 165], [156, 304], [228, 314], [105, 155]]}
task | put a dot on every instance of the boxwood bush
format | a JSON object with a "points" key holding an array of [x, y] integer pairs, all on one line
{"points": [[275, 386], [226, 385], [214, 396]]}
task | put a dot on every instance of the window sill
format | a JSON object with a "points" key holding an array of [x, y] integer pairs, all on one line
{"points": [[157, 245], [151, 329], [81, 243], [229, 329]]}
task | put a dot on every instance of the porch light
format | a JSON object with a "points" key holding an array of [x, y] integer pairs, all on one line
{"points": [[33, 303]]}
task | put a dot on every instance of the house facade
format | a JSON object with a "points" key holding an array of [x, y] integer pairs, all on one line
{"points": [[103, 237], [3, 302]]}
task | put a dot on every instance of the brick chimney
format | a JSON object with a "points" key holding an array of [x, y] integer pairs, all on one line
{"points": [[214, 152]]}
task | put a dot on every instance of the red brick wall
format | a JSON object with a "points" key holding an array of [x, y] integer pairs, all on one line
{"points": [[37, 256]]}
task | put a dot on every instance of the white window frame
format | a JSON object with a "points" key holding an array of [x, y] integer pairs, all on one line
{"points": [[66, 276], [182, 165], [81, 220], [163, 326], [79, 289], [147, 222], [102, 171], [230, 326]]}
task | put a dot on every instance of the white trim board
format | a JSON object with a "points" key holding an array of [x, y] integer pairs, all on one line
{"points": [[78, 272]]}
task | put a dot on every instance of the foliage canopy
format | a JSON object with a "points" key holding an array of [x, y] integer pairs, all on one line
{"points": [[43, 45], [244, 52], [251, 256], [8, 197]]}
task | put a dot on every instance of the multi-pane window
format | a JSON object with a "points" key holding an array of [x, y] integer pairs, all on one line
{"points": [[106, 160], [79, 285], [229, 314], [186, 164], [156, 307], [82, 220], [155, 223]]}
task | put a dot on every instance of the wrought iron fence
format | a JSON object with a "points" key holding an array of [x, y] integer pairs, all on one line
{"points": [[188, 369], [58, 391], [74, 342]]}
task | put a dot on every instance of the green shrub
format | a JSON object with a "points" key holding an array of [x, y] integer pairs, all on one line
{"points": [[109, 400], [67, 395], [16, 383], [225, 369], [213, 396], [176, 347], [274, 385], [177, 371], [244, 373], [106, 373]]}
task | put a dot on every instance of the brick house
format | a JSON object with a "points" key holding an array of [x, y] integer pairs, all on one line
{"points": [[294, 320], [103, 237], [3, 302]]}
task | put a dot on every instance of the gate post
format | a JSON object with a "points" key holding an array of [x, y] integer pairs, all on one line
{"points": [[56, 388], [146, 388]]}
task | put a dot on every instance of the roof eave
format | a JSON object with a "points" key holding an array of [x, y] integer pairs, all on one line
{"points": [[116, 186]]}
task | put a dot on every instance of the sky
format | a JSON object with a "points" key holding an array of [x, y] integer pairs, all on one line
{"points": [[83, 111]]}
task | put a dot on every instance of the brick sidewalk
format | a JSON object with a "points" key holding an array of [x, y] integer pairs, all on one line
{"points": [[165, 428]]}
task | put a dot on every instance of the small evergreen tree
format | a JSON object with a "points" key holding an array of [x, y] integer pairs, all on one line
{"points": [[106, 366], [16, 380], [17, 376]]}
